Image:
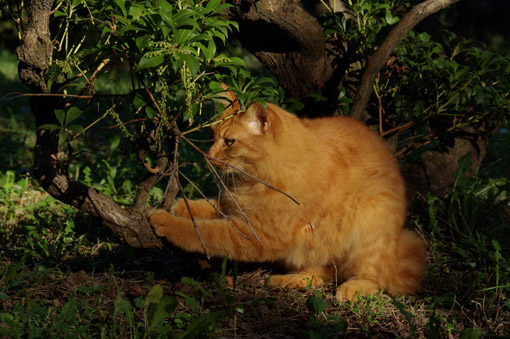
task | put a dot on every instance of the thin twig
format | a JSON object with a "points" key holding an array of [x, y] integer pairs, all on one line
{"points": [[157, 108], [98, 69], [153, 101], [239, 170], [166, 200], [218, 178], [398, 128], [379, 99], [214, 206], [192, 218], [213, 122], [199, 94], [413, 145], [129, 122], [255, 178], [15, 95], [90, 80]]}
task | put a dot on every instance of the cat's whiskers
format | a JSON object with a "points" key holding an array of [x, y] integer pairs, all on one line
{"points": [[234, 183]]}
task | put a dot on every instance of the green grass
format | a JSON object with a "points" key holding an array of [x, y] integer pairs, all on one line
{"points": [[63, 274]]}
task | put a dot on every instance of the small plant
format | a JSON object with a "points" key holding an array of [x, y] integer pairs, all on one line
{"points": [[320, 325]]}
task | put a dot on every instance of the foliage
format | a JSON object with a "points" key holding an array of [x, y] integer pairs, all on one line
{"points": [[431, 87], [169, 50], [320, 324], [369, 24], [177, 69], [164, 54], [475, 216]]}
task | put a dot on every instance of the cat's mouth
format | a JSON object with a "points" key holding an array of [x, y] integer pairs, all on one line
{"points": [[222, 165]]}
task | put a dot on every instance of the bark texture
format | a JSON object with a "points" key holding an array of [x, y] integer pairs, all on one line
{"points": [[287, 40], [432, 171], [50, 167]]}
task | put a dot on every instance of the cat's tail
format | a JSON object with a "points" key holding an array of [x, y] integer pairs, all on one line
{"points": [[411, 260]]}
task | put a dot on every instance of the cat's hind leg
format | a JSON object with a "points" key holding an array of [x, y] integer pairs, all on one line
{"points": [[382, 256], [353, 288]]}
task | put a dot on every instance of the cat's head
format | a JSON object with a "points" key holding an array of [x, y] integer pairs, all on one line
{"points": [[242, 139]]}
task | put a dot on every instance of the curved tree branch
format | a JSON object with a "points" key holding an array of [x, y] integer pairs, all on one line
{"points": [[34, 54], [381, 55]]}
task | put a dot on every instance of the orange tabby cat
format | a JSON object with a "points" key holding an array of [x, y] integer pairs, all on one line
{"points": [[348, 224]]}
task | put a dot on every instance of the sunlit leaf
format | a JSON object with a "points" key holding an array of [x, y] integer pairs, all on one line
{"points": [[150, 62]]}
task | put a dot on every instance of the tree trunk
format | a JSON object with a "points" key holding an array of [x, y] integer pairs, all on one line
{"points": [[50, 170], [287, 40], [433, 171]]}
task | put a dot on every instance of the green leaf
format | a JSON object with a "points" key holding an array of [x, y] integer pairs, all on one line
{"points": [[114, 142], [159, 311], [60, 114], [138, 101], [76, 128], [165, 6], [316, 305], [472, 333], [140, 41], [51, 127], [154, 295], [122, 6], [181, 35], [390, 19], [210, 51], [136, 12], [122, 305], [200, 324], [212, 4], [150, 62], [190, 61], [72, 114], [151, 113], [496, 245], [341, 326]]}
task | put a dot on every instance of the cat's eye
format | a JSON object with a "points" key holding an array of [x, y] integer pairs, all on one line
{"points": [[229, 142]]}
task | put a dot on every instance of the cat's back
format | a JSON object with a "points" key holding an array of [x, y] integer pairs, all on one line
{"points": [[349, 138], [357, 164]]}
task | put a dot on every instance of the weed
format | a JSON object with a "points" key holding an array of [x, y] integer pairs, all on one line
{"points": [[321, 325]]}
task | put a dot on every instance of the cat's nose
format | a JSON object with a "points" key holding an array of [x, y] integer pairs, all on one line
{"points": [[211, 153], [212, 156]]}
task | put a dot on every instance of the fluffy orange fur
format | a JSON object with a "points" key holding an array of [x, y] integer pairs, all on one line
{"points": [[348, 225]]}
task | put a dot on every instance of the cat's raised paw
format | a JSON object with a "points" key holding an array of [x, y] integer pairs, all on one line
{"points": [[160, 220], [180, 209], [351, 289]]}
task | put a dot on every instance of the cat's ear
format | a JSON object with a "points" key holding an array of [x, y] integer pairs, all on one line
{"points": [[228, 100], [257, 119]]}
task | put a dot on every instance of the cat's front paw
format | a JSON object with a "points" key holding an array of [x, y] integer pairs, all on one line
{"points": [[296, 280], [160, 220], [180, 209]]}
